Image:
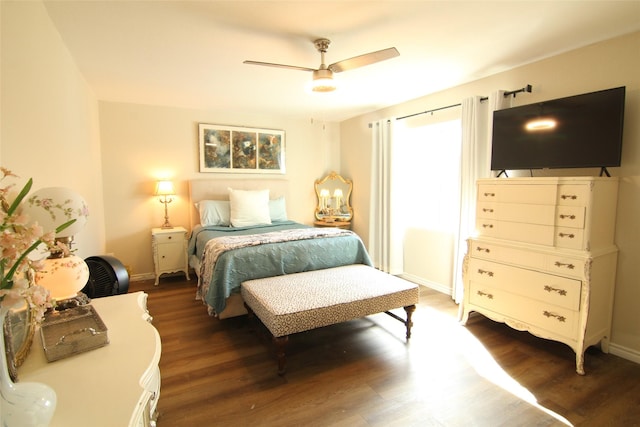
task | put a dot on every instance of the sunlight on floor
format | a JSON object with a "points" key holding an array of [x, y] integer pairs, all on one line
{"points": [[458, 340]]}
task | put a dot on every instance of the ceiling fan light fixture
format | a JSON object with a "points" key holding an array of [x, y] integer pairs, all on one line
{"points": [[323, 81]]}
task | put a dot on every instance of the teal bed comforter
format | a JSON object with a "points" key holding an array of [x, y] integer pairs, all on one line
{"points": [[235, 266]]}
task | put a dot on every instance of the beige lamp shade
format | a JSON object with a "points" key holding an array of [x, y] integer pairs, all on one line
{"points": [[63, 277], [165, 188]]}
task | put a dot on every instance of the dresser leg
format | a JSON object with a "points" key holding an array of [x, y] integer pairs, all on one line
{"points": [[580, 362]]}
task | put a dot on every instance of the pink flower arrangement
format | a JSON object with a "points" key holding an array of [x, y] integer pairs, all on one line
{"points": [[18, 238]]}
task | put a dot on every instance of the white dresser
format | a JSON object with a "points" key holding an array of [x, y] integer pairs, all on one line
{"points": [[115, 385], [543, 258]]}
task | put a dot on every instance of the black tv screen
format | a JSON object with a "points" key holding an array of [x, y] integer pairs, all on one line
{"points": [[579, 131]]}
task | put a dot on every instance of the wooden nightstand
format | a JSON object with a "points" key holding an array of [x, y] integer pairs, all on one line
{"points": [[169, 251], [346, 225]]}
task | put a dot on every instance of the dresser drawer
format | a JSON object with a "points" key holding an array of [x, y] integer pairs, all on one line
{"points": [[573, 194], [561, 291], [510, 255], [567, 266], [517, 212], [536, 194], [520, 232], [569, 238], [170, 237], [570, 216], [557, 320]]}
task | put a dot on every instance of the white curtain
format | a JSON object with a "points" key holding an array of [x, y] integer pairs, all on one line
{"points": [[477, 121], [385, 240]]}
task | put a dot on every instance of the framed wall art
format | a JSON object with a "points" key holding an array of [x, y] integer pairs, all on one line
{"points": [[232, 149]]}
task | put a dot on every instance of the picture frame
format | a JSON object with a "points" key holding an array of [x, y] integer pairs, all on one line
{"points": [[235, 149]]}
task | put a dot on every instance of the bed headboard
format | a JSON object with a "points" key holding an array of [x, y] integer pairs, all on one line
{"points": [[218, 189]]}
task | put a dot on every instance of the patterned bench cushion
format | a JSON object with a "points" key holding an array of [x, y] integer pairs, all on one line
{"points": [[303, 301]]}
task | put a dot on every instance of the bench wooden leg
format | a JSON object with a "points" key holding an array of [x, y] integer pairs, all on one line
{"points": [[408, 323], [281, 346], [409, 309]]}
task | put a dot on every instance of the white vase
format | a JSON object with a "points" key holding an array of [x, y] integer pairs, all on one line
{"points": [[22, 404]]}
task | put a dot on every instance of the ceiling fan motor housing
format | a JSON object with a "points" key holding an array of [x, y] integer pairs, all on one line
{"points": [[323, 81]]}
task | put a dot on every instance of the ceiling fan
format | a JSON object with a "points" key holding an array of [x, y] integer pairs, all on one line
{"points": [[323, 76]]}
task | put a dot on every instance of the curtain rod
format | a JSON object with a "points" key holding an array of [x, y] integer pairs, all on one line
{"points": [[527, 88]]}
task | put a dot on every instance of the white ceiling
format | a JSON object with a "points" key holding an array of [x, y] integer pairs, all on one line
{"points": [[189, 53]]}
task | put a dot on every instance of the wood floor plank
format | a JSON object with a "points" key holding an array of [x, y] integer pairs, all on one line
{"points": [[363, 373]]}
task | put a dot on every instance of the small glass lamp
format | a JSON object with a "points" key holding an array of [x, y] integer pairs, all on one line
{"points": [[63, 275], [164, 190]]}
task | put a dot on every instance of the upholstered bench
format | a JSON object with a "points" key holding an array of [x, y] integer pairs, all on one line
{"points": [[302, 301]]}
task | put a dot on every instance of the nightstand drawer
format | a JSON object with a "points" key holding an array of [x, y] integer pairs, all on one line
{"points": [[170, 237]]}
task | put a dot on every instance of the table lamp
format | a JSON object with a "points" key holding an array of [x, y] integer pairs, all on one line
{"points": [[64, 274], [164, 190]]}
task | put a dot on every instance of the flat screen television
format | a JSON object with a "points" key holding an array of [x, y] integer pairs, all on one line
{"points": [[579, 131]]}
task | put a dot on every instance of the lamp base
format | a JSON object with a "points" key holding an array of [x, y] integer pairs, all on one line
{"points": [[77, 301]]}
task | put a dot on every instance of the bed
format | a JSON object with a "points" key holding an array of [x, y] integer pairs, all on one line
{"points": [[232, 242]]}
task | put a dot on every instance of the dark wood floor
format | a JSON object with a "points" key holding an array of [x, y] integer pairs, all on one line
{"points": [[362, 373]]}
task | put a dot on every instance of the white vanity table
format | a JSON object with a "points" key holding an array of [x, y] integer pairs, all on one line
{"points": [[115, 385]]}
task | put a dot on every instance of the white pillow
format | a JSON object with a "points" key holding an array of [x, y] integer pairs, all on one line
{"points": [[214, 212], [249, 207], [278, 209]]}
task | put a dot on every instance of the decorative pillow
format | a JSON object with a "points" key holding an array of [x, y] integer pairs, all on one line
{"points": [[278, 209], [249, 207], [214, 212]]}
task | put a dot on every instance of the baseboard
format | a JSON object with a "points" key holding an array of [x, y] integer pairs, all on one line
{"points": [[624, 352], [142, 276], [420, 281]]}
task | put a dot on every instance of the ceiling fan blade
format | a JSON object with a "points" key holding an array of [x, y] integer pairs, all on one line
{"points": [[269, 64], [362, 60]]}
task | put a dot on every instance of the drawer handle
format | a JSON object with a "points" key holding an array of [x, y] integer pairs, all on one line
{"points": [[170, 237], [481, 249], [568, 196], [487, 272], [569, 235], [487, 225], [563, 216], [557, 316], [487, 210], [489, 194], [567, 265], [558, 290], [484, 294]]}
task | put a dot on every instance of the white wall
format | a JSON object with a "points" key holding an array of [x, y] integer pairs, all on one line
{"points": [[49, 117], [601, 66], [143, 143]]}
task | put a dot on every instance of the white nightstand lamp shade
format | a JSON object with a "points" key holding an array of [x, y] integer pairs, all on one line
{"points": [[164, 190]]}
